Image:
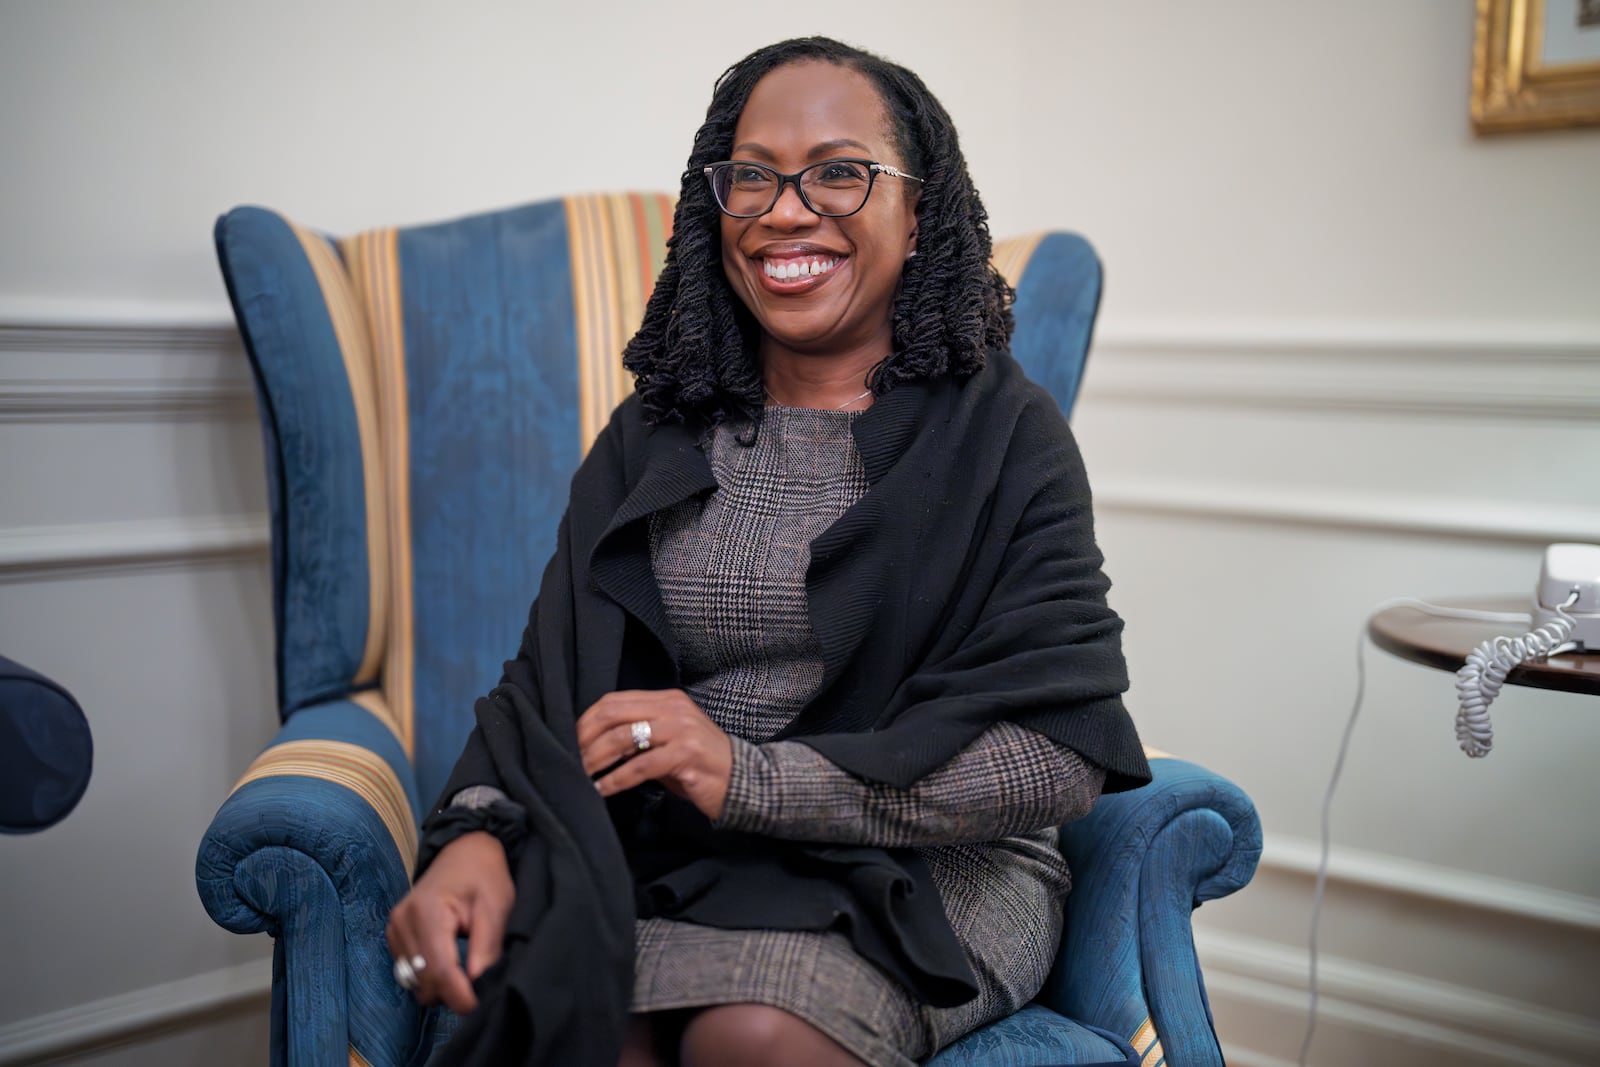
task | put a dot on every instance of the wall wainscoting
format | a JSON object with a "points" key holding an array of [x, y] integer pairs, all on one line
{"points": [[86, 1027], [1260, 988]]}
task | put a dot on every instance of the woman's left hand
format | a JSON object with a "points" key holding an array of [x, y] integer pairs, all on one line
{"points": [[688, 753]]}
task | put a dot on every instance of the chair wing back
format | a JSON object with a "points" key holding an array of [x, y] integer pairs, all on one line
{"points": [[1058, 281], [426, 394]]}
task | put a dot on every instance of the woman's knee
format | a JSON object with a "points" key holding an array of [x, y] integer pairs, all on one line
{"points": [[756, 1035]]}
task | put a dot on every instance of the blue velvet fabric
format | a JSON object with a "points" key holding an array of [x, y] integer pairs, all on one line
{"points": [[309, 862], [1141, 862], [1037, 1037], [315, 483], [1057, 300], [492, 391], [46, 750]]}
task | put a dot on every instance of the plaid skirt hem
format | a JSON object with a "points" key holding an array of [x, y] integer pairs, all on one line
{"points": [[816, 977]]}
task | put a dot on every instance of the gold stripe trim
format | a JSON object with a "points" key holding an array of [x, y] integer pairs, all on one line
{"points": [[375, 256], [356, 1059], [628, 309], [1152, 1058], [350, 330], [372, 700], [616, 243], [1143, 1036], [359, 770], [1011, 256], [1156, 753]]}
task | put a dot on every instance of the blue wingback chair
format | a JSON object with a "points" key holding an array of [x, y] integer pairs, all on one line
{"points": [[425, 395]]}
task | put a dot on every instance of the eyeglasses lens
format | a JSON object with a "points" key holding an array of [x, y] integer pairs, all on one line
{"points": [[832, 188]]}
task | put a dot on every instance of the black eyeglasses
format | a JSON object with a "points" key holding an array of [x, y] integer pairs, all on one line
{"points": [[833, 187]]}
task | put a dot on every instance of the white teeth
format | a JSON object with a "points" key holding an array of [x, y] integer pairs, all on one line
{"points": [[798, 268]]}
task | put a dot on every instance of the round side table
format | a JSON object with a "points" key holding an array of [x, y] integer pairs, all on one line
{"points": [[1444, 643]]}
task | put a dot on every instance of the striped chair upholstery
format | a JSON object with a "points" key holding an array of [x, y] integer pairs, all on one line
{"points": [[425, 395]]}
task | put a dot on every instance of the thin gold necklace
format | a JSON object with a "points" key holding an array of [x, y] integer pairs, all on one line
{"points": [[841, 407]]}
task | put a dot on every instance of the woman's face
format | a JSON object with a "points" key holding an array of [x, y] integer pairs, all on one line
{"points": [[798, 114]]}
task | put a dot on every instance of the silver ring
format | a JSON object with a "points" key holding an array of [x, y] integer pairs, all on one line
{"points": [[405, 975], [641, 735], [418, 964]]}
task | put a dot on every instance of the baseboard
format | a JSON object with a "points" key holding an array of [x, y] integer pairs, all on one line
{"points": [[1264, 987], [110, 1021]]}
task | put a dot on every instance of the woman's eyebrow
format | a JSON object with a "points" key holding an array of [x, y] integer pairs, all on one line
{"points": [[750, 148]]}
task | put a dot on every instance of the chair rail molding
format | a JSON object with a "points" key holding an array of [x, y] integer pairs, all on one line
{"points": [[27, 551], [1522, 370], [61, 363], [1521, 523]]}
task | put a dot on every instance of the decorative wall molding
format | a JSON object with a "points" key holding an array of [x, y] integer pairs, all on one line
{"points": [[1393, 1009], [1329, 508], [124, 370], [1522, 373], [105, 1022], [100, 546], [64, 400], [1508, 370], [1395, 874]]}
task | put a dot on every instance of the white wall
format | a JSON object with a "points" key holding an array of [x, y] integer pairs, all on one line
{"points": [[1347, 351]]}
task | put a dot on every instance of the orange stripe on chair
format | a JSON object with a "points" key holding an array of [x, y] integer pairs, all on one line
{"points": [[1011, 256], [350, 327], [1146, 1045], [356, 1059], [1143, 1036], [360, 770], [376, 267], [617, 243]]}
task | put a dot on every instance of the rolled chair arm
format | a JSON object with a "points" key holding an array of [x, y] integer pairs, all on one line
{"points": [[1142, 862], [314, 846]]}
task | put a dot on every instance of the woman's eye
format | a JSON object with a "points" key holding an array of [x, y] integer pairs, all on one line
{"points": [[843, 172], [751, 176]]}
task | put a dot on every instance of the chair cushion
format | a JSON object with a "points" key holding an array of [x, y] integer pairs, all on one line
{"points": [[46, 751], [1036, 1037]]}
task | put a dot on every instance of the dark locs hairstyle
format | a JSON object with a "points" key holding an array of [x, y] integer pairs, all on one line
{"points": [[694, 357]]}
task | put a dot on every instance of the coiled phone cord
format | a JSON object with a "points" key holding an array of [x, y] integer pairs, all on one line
{"points": [[1479, 680]]}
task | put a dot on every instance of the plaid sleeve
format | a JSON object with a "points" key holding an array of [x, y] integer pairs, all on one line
{"points": [[1010, 780]]}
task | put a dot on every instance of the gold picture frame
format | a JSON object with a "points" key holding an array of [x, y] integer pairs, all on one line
{"points": [[1530, 74]]}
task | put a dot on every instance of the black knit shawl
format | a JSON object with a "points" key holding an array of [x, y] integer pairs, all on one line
{"points": [[964, 588]]}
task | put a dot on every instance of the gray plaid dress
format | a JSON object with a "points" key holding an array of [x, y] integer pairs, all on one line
{"points": [[731, 569]]}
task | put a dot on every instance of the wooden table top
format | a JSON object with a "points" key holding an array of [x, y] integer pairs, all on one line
{"points": [[1444, 643]]}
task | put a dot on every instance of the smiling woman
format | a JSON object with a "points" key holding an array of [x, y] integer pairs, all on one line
{"points": [[823, 659]]}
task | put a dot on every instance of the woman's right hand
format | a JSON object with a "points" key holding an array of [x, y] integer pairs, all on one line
{"points": [[467, 890]]}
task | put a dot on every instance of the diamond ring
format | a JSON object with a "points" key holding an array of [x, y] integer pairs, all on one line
{"points": [[641, 735], [406, 970]]}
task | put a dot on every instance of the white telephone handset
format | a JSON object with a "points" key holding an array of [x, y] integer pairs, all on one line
{"points": [[1566, 611]]}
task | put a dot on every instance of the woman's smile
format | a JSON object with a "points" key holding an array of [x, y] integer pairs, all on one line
{"points": [[795, 269]]}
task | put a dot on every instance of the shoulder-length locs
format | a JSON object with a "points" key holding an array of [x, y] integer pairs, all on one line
{"points": [[694, 357]]}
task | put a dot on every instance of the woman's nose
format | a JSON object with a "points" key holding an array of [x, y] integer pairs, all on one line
{"points": [[790, 210]]}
